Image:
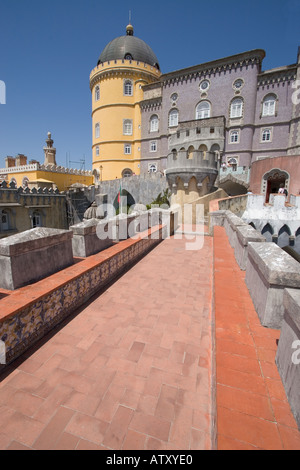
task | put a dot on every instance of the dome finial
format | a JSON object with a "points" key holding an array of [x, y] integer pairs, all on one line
{"points": [[129, 28]]}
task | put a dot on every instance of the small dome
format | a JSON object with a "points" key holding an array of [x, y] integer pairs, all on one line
{"points": [[129, 47]]}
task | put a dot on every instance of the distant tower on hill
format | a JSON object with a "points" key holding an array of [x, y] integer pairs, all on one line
{"points": [[50, 152]]}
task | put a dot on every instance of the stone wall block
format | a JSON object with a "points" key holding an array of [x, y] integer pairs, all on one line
{"points": [[269, 271]]}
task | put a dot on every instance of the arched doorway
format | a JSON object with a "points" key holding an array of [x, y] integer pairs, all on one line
{"points": [[123, 202], [272, 180]]}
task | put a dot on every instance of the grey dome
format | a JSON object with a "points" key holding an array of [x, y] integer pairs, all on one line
{"points": [[131, 47]]}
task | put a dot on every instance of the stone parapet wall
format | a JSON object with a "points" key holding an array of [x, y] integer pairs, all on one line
{"points": [[33, 255], [269, 271], [29, 314]]}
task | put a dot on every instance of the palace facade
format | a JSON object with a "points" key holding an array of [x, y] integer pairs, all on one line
{"points": [[230, 107]]}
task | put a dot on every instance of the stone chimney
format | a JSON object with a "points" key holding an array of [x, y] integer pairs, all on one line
{"points": [[21, 160], [10, 162], [50, 152]]}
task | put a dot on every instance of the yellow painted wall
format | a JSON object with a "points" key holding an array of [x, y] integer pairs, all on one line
{"points": [[62, 180], [112, 109]]}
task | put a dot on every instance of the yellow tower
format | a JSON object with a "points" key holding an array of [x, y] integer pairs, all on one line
{"points": [[126, 64]]}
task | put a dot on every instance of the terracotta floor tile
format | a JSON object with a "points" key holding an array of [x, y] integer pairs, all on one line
{"points": [[134, 441], [249, 429], [244, 401], [87, 427], [133, 369], [151, 426], [52, 432]]}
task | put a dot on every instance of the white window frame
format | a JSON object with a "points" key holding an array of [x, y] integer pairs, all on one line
{"points": [[97, 151], [97, 130], [269, 105], [203, 110], [152, 168], [127, 149], [154, 123], [173, 118], [234, 136], [236, 108], [97, 93], [127, 127], [267, 131], [153, 146], [128, 87]]}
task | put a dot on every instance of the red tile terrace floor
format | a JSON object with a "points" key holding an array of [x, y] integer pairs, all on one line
{"points": [[134, 369]]}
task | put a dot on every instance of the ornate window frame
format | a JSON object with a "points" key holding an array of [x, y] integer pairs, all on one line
{"points": [[127, 127], [127, 87], [204, 113], [265, 110], [173, 122], [236, 111], [234, 136]]}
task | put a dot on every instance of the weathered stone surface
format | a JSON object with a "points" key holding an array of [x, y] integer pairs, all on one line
{"points": [[231, 222], [277, 267], [269, 271], [91, 237], [288, 352], [32, 255], [245, 235], [29, 240], [216, 218]]}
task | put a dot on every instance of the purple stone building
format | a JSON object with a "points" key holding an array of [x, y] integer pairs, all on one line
{"points": [[229, 107]]}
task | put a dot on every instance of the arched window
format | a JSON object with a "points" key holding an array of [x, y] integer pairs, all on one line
{"points": [[126, 173], [128, 88], [153, 146], [190, 152], [267, 232], [154, 123], [236, 108], [127, 127], [97, 151], [4, 221], [97, 93], [269, 105], [266, 135], [97, 130], [203, 110], [153, 168], [173, 118], [234, 136], [127, 149]]}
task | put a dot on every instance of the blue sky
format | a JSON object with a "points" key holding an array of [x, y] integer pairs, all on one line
{"points": [[48, 50]]}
